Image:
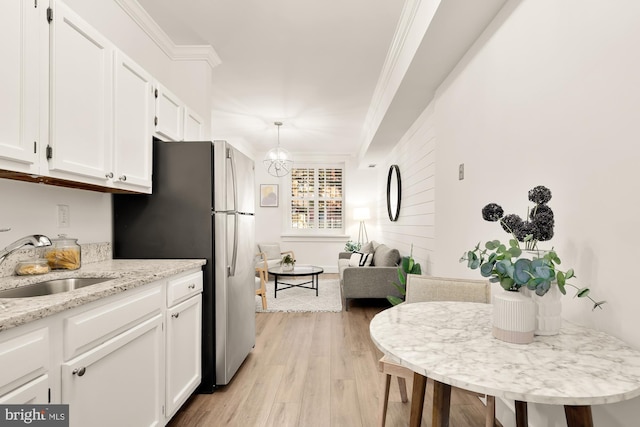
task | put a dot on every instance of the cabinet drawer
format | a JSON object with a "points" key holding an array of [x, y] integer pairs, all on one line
{"points": [[23, 358], [181, 288], [35, 392], [93, 327]]}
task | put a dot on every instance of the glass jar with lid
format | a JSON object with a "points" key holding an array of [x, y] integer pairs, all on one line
{"points": [[64, 253], [32, 266]]}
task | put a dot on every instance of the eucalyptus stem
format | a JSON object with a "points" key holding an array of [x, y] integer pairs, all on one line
{"points": [[596, 304]]}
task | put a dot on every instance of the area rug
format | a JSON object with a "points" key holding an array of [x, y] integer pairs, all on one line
{"points": [[301, 299]]}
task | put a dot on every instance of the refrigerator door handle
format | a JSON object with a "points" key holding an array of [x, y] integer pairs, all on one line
{"points": [[234, 188], [234, 255], [234, 182]]}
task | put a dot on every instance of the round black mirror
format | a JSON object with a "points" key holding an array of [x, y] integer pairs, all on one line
{"points": [[394, 192]]}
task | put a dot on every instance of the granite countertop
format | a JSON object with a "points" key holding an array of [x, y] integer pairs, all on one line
{"points": [[125, 274]]}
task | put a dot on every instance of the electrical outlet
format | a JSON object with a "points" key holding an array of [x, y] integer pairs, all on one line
{"points": [[461, 172], [64, 219]]}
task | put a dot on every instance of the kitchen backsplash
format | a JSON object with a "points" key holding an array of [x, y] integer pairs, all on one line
{"points": [[91, 252]]}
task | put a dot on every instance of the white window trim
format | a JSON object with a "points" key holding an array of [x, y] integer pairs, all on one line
{"points": [[293, 234]]}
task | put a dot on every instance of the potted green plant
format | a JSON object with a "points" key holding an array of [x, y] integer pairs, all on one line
{"points": [[515, 267], [352, 246], [407, 266], [536, 269], [288, 262]]}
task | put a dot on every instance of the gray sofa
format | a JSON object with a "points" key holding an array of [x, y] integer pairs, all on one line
{"points": [[374, 281]]}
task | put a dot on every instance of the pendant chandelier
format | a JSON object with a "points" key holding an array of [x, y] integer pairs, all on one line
{"points": [[278, 160]]}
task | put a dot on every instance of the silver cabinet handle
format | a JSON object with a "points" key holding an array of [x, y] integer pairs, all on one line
{"points": [[123, 178], [192, 286], [109, 175], [80, 372], [175, 315]]}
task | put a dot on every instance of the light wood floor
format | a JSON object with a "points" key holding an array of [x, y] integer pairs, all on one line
{"points": [[313, 369]]}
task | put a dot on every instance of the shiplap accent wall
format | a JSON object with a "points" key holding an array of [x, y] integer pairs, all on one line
{"points": [[415, 155]]}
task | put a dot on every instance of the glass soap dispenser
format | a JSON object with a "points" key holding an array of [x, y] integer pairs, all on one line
{"points": [[64, 253]]}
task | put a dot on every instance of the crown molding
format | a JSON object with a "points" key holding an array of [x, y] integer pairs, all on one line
{"points": [[173, 51], [383, 89]]}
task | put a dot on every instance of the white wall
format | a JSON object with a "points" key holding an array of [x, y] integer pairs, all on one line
{"points": [[549, 95], [31, 208], [361, 190], [415, 156]]}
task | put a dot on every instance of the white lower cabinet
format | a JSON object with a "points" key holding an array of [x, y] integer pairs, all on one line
{"points": [[183, 352], [119, 382], [34, 392], [131, 359], [24, 365]]}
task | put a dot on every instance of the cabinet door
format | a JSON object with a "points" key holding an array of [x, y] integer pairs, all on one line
{"points": [[169, 115], [133, 124], [183, 352], [19, 85], [193, 126], [80, 96], [120, 382]]}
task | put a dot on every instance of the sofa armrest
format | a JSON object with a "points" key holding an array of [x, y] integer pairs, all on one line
{"points": [[344, 255]]}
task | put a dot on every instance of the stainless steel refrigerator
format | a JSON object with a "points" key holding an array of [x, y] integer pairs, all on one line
{"points": [[202, 206]]}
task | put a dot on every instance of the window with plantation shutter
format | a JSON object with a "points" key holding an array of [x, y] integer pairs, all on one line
{"points": [[317, 199]]}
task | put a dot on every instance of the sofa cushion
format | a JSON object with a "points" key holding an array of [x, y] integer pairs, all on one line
{"points": [[384, 256], [367, 248], [359, 259]]}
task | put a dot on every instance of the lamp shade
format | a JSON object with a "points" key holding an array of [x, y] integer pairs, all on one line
{"points": [[278, 160], [360, 214]]}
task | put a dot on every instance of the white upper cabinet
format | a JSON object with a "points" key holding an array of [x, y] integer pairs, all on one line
{"points": [[193, 126], [169, 119], [80, 96], [133, 124], [19, 118], [74, 107]]}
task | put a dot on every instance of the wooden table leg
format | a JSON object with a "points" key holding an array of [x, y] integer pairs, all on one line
{"points": [[441, 404], [417, 399], [578, 416], [522, 418]]}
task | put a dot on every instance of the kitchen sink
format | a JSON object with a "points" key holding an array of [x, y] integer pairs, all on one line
{"points": [[51, 287]]}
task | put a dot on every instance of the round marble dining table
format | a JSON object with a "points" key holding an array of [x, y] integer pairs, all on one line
{"points": [[451, 343]]}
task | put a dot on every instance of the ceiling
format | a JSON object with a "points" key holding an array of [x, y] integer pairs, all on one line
{"points": [[314, 65]]}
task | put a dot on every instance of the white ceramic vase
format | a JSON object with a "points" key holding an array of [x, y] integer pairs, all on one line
{"points": [[287, 267], [548, 311], [514, 317]]}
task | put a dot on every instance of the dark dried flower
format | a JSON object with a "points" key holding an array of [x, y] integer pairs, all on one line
{"points": [[540, 210], [511, 223], [544, 224], [492, 212], [540, 195], [525, 229]]}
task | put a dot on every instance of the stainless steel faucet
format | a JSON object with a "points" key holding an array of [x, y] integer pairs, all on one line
{"points": [[35, 240]]}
